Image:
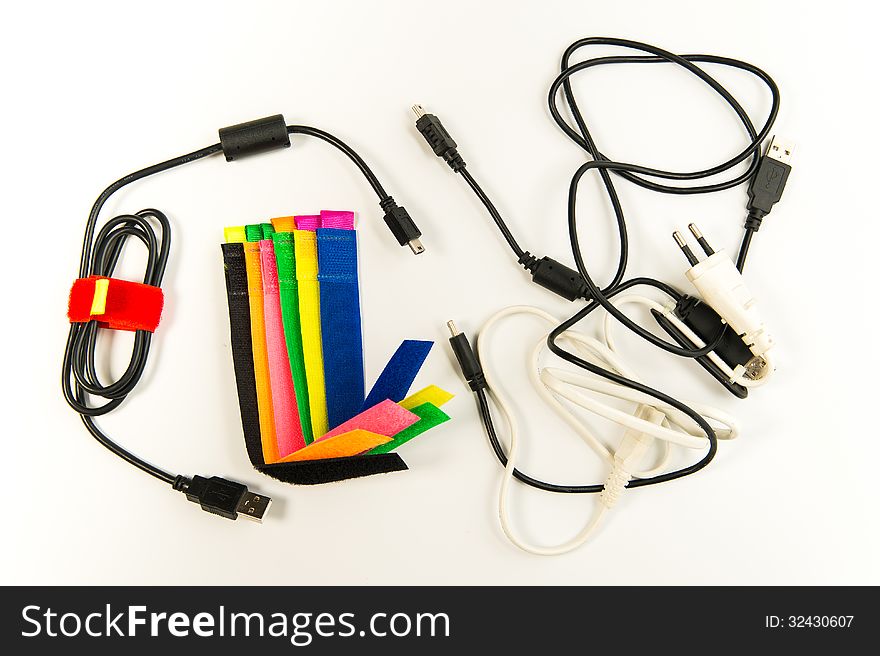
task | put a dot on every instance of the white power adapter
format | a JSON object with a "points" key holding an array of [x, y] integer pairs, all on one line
{"points": [[723, 287]]}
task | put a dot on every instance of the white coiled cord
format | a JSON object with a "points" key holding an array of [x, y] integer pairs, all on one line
{"points": [[650, 419]]}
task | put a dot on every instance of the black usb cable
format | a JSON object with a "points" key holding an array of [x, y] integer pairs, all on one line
{"points": [[766, 174], [100, 255]]}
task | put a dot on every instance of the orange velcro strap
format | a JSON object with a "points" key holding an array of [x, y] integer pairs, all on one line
{"points": [[114, 303]]}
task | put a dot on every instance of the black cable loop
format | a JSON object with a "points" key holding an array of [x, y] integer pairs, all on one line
{"points": [[105, 251], [100, 255], [628, 171], [639, 175]]}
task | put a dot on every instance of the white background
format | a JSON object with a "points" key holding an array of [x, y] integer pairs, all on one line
{"points": [[95, 90]]}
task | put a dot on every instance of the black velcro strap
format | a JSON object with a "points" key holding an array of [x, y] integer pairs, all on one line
{"points": [[326, 470], [242, 349]]}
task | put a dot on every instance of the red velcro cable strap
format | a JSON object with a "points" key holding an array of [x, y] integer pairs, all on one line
{"points": [[116, 304]]}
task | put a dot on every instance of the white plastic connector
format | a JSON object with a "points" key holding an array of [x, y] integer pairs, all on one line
{"points": [[722, 286], [629, 455]]}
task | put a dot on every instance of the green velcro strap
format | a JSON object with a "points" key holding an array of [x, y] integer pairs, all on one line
{"points": [[258, 231], [287, 288], [429, 416], [253, 232]]}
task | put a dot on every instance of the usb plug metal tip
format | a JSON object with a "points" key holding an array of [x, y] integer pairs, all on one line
{"points": [[253, 506], [780, 150]]}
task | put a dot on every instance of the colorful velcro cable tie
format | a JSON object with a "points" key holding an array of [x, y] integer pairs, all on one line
{"points": [[429, 416], [430, 394], [294, 315], [116, 304], [242, 348], [337, 220], [261, 356], [351, 443], [400, 372], [309, 222], [306, 249], [340, 323], [287, 288], [284, 224], [288, 430]]}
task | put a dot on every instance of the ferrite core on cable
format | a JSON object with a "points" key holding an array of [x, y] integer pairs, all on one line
{"points": [[254, 137]]}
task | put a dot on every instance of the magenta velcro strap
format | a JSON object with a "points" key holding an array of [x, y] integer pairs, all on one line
{"points": [[337, 219], [308, 222]]}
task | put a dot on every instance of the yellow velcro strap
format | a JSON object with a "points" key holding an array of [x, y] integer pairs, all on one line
{"points": [[99, 300], [306, 250], [431, 394], [234, 234]]}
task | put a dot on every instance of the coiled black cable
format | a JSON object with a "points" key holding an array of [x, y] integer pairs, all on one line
{"points": [[635, 173], [80, 381], [100, 255], [642, 176]]}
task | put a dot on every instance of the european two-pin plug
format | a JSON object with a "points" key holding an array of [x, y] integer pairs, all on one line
{"points": [[721, 285]]}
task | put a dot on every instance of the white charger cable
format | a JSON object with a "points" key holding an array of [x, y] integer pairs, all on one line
{"points": [[650, 420]]}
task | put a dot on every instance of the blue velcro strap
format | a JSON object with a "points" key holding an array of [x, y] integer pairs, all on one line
{"points": [[340, 324], [400, 372]]}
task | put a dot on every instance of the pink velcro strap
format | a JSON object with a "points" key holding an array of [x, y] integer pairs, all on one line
{"points": [[385, 418], [288, 431]]}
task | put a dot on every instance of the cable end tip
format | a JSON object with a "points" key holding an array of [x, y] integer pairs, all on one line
{"points": [[452, 329], [701, 240], [253, 506], [418, 110], [223, 497], [781, 151], [402, 226]]}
